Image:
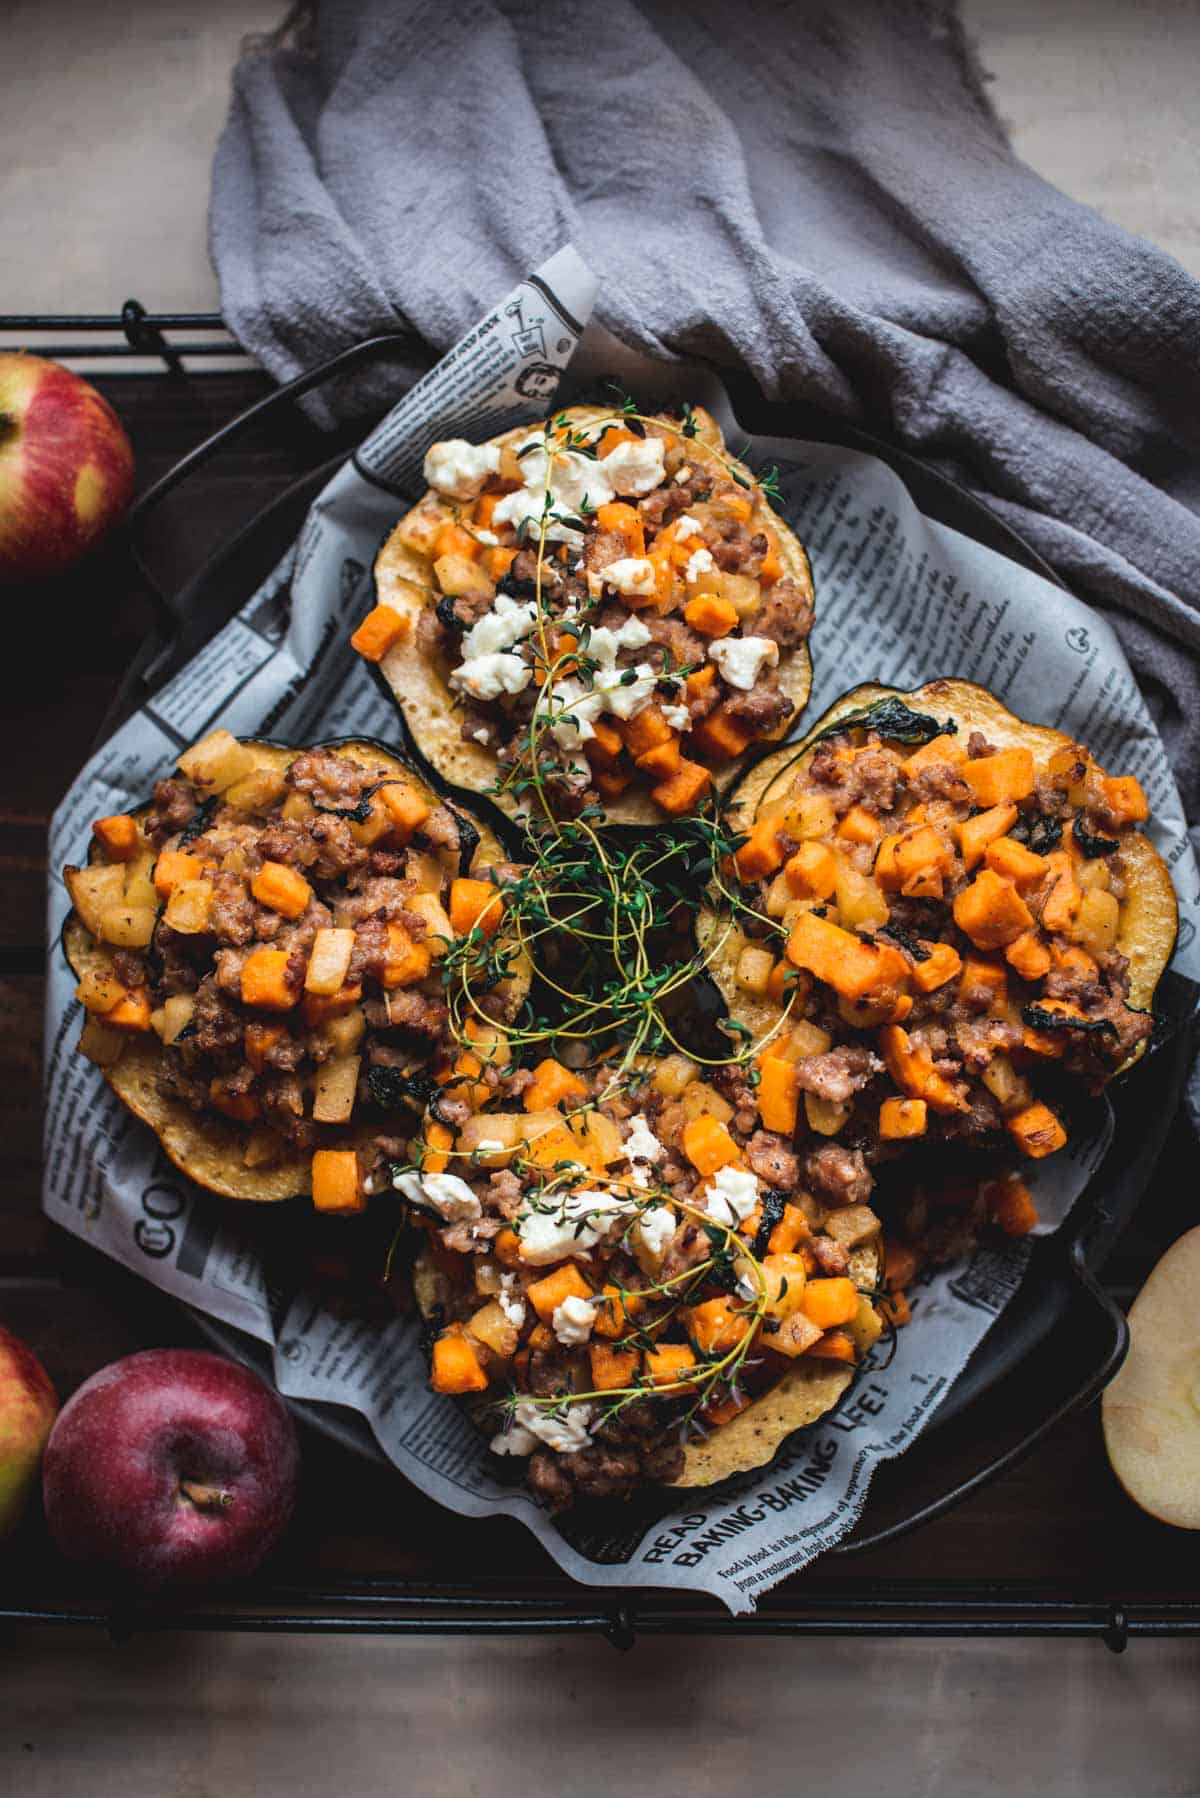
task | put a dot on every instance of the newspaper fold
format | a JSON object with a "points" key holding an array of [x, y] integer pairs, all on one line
{"points": [[900, 599]]}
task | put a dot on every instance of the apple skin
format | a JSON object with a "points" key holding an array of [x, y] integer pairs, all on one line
{"points": [[172, 1471], [66, 467], [28, 1405]]}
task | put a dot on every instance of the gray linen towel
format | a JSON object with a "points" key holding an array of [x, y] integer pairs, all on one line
{"points": [[818, 193]]}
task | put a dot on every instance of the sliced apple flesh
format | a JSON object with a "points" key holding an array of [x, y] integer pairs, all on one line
{"points": [[1151, 1411]]}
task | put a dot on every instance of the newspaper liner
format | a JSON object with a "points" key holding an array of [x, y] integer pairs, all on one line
{"points": [[900, 599]]}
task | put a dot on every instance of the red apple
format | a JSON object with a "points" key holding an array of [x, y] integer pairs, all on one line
{"points": [[66, 468], [27, 1408], [173, 1469]]}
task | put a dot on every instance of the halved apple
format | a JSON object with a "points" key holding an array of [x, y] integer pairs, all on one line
{"points": [[1151, 1411]]}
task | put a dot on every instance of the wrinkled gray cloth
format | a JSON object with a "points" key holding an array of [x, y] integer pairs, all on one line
{"points": [[818, 193]]}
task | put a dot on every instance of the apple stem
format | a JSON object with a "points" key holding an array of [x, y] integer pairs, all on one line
{"points": [[206, 1498]]}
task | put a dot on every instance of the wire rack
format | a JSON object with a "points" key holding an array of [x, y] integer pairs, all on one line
{"points": [[182, 346]]}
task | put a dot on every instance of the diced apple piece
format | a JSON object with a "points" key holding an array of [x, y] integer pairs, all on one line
{"points": [[344, 1034], [1096, 921], [257, 791], [99, 990], [101, 1045], [139, 883], [335, 1088], [492, 1326], [173, 1016], [188, 907], [93, 890], [128, 926], [824, 1116], [460, 574], [216, 761], [673, 1074], [439, 932], [754, 968], [699, 1098], [329, 962], [507, 1128], [851, 1225]]}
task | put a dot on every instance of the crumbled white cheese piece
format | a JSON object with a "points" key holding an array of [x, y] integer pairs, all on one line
{"points": [[642, 1145], [486, 677], [510, 1300], [574, 480], [655, 1230], [699, 563], [505, 623], [446, 1194], [573, 1320], [635, 468], [565, 1429], [741, 659], [630, 574], [686, 526], [459, 469], [678, 717], [573, 1227], [622, 697], [488, 537], [731, 1196], [576, 707]]}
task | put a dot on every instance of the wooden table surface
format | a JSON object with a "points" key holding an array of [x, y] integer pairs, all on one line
{"points": [[1055, 1523]]}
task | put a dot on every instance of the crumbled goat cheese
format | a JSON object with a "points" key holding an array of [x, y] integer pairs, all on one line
{"points": [[446, 1194], [576, 707], [655, 1230], [635, 468], [678, 717], [574, 480], [505, 623], [642, 1145], [566, 1430], [700, 562], [486, 677], [741, 659], [573, 1320], [459, 469], [573, 1227], [731, 1196], [686, 526], [488, 537], [630, 574], [510, 1300]]}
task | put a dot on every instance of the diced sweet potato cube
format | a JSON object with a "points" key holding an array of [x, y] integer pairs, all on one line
{"points": [[843, 961], [1012, 861], [454, 540], [761, 854], [921, 852], [626, 521], [708, 1144], [991, 911], [812, 871], [942, 751], [715, 1326], [941, 964], [406, 961], [379, 631], [551, 1084], [711, 615], [456, 1367], [131, 1011], [646, 730], [242, 1107], [683, 791], [834, 1345], [1012, 1206], [829, 1302], [700, 680], [605, 746], [614, 1311], [264, 980], [1036, 1131], [778, 1095], [974, 834], [118, 836], [1066, 895], [661, 762], [771, 567], [406, 809], [434, 1148], [1000, 779], [911, 1067], [859, 826], [475, 904], [1028, 955], [792, 1229], [983, 985], [901, 1264], [899, 1118], [612, 1367], [173, 868], [566, 1282], [259, 1040], [336, 1182], [1125, 798], [668, 1364], [719, 735], [281, 889]]}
